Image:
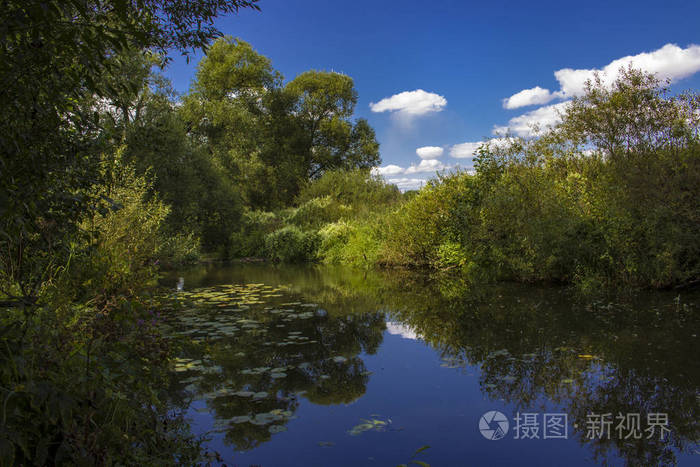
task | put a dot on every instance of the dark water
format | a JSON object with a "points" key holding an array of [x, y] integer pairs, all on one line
{"points": [[306, 366]]}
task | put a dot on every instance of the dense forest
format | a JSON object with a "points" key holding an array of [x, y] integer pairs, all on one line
{"points": [[107, 175]]}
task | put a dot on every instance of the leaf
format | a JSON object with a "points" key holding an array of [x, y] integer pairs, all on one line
{"points": [[421, 449]]}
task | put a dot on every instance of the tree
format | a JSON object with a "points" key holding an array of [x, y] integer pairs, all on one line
{"points": [[269, 138], [325, 102], [55, 55]]}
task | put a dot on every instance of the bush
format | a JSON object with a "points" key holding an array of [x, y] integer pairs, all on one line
{"points": [[358, 189], [355, 243], [123, 240], [291, 244], [316, 212], [179, 250], [249, 239]]}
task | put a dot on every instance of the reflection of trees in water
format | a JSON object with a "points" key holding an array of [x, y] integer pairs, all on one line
{"points": [[263, 372], [527, 341], [535, 345]]}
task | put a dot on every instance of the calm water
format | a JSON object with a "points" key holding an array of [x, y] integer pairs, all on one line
{"points": [[306, 366]]}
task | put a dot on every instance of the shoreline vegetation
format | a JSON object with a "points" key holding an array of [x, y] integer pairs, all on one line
{"points": [[107, 176]]}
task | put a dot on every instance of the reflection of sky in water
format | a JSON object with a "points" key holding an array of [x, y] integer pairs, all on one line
{"points": [[401, 330], [424, 377]]}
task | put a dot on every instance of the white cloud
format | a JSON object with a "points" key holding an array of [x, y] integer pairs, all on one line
{"points": [[388, 170], [465, 150], [411, 103], [524, 125], [425, 166], [407, 183], [532, 96], [429, 152], [402, 330], [669, 62], [468, 150]]}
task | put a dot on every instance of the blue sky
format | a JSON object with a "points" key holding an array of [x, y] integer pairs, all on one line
{"points": [[467, 58]]}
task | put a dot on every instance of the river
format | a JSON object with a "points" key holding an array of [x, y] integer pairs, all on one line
{"points": [[310, 365]]}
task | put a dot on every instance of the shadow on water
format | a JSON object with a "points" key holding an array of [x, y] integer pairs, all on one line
{"points": [[257, 339]]}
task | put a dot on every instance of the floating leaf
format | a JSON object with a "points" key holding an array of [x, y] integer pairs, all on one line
{"points": [[241, 419]]}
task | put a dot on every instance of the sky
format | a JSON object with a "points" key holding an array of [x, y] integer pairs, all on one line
{"points": [[435, 78]]}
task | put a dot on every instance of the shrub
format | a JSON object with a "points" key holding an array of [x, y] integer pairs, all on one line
{"points": [[179, 249], [291, 244], [123, 241], [319, 211], [358, 189], [249, 239], [355, 243]]}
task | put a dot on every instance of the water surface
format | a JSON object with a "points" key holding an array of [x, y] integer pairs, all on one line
{"points": [[307, 365]]}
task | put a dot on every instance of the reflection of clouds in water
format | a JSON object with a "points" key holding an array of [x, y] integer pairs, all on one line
{"points": [[401, 330]]}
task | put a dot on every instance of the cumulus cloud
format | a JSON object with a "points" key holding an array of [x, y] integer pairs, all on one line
{"points": [[465, 150], [429, 152], [669, 62], [407, 183], [533, 96], [388, 170], [425, 166], [468, 149], [411, 103], [539, 119]]}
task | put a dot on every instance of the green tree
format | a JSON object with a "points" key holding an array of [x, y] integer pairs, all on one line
{"points": [[325, 102], [56, 56], [270, 138]]}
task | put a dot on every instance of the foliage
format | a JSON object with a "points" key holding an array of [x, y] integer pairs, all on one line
{"points": [[609, 196], [357, 188], [58, 58], [342, 210], [355, 242], [124, 242], [81, 373], [291, 244], [249, 238], [268, 137], [86, 387]]}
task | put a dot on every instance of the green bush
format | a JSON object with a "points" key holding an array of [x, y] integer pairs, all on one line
{"points": [[249, 239], [358, 189], [122, 241], [316, 212], [179, 250], [291, 244], [355, 243]]}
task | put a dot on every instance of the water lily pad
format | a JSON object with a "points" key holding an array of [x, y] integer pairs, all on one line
{"points": [[277, 428], [241, 419], [373, 424]]}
